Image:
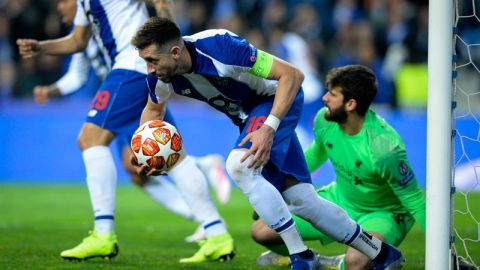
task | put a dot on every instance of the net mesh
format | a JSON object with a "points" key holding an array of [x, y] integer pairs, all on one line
{"points": [[466, 85]]}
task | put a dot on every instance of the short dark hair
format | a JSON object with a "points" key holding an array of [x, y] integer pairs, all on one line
{"points": [[158, 31], [357, 82]]}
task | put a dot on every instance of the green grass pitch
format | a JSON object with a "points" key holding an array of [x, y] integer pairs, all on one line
{"points": [[38, 221]]}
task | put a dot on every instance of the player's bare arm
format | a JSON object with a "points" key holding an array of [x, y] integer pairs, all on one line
{"points": [[43, 93], [153, 111], [289, 81], [75, 42]]}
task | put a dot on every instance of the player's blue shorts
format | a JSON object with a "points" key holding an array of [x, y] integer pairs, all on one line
{"points": [[119, 102], [286, 156]]}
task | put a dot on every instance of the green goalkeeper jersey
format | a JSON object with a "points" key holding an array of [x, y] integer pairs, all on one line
{"points": [[371, 167]]}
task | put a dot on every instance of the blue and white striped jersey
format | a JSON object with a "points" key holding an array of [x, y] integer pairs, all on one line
{"points": [[220, 76], [114, 23], [77, 73]]}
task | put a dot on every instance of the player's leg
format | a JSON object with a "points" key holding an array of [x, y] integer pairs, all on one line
{"points": [[334, 222], [386, 226], [101, 181], [213, 166], [263, 194], [193, 186], [114, 110], [161, 190], [158, 188], [277, 253]]}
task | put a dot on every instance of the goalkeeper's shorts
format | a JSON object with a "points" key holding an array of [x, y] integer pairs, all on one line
{"points": [[393, 226]]}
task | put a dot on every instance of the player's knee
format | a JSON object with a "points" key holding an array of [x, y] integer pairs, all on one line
{"points": [[239, 172], [92, 135], [357, 261], [82, 142], [234, 168]]}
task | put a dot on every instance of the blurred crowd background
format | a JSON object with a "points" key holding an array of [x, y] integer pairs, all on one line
{"points": [[390, 36]]}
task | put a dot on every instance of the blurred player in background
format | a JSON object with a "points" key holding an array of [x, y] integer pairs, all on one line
{"points": [[375, 184], [159, 188], [114, 111], [262, 95]]}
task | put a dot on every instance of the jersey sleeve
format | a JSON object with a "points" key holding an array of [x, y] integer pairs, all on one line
{"points": [[76, 76], [80, 16], [395, 168], [230, 52], [159, 91], [316, 154]]}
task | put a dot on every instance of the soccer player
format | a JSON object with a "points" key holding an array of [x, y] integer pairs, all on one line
{"points": [[116, 110], [159, 188], [262, 95], [375, 184]]}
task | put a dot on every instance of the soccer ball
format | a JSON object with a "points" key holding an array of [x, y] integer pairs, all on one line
{"points": [[157, 144]]}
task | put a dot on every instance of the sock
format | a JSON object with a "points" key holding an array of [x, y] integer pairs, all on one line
{"points": [[292, 237], [266, 200], [101, 182], [192, 184], [322, 214], [168, 195], [366, 243]]}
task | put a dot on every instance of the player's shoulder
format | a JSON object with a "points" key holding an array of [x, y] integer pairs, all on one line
{"points": [[383, 139], [224, 47], [209, 33], [212, 40]]}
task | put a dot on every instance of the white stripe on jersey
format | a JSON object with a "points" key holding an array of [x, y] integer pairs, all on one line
{"points": [[121, 21]]}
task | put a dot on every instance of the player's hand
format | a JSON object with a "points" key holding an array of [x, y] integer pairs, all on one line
{"points": [[28, 48], [262, 140], [40, 94], [143, 169]]}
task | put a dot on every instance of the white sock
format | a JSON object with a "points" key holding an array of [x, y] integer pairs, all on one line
{"points": [[322, 214], [266, 200], [192, 184], [330, 219], [292, 236], [366, 243], [168, 195], [101, 182]]}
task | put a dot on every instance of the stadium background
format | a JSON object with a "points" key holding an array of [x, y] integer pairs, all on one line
{"points": [[40, 158], [39, 142]]}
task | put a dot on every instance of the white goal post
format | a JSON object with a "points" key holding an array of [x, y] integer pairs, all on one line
{"points": [[439, 135]]}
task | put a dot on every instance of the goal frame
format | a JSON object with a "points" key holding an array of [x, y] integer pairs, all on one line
{"points": [[438, 255]]}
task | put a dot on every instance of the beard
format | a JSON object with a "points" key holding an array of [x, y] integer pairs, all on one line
{"points": [[338, 115]]}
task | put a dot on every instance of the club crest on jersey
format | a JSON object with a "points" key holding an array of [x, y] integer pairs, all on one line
{"points": [[402, 168], [253, 57], [404, 171]]}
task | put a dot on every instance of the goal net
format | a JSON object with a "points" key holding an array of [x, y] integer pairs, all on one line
{"points": [[466, 134]]}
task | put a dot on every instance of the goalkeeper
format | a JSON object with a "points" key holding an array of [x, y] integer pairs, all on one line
{"points": [[375, 183]]}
